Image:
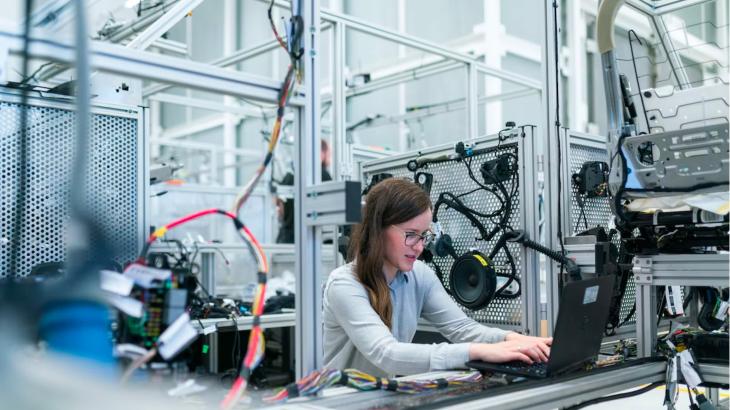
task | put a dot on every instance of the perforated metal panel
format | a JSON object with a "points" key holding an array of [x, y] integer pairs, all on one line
{"points": [[453, 177], [597, 210], [112, 187]]}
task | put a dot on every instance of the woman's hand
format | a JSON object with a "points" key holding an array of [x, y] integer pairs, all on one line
{"points": [[527, 349], [533, 346]]}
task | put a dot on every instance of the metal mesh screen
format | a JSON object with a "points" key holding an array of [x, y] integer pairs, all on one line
{"points": [[453, 177], [111, 187], [596, 211]]}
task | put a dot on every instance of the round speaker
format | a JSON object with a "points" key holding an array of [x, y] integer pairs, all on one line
{"points": [[473, 281]]}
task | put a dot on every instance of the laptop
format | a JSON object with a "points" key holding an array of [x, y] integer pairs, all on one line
{"points": [[578, 332]]}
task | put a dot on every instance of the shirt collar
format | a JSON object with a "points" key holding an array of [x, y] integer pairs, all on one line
{"points": [[400, 279]]}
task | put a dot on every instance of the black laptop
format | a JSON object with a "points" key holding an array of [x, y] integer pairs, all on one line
{"points": [[578, 332]]}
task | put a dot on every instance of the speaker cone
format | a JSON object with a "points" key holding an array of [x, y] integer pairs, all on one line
{"points": [[473, 280]]}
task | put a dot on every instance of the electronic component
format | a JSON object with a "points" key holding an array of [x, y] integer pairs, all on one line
{"points": [[418, 163], [442, 246], [377, 178], [496, 170], [424, 180], [592, 179], [163, 172], [473, 280]]}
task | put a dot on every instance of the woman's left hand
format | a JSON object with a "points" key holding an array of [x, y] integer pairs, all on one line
{"points": [[531, 345]]}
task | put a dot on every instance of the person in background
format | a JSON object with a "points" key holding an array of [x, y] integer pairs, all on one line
{"points": [[285, 207], [372, 304]]}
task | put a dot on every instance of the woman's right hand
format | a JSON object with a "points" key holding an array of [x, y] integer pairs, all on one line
{"points": [[506, 352]]}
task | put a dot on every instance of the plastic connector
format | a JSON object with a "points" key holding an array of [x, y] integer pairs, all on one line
{"points": [[703, 403]]}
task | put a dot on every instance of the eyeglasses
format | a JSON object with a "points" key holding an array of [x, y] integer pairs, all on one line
{"points": [[412, 238]]}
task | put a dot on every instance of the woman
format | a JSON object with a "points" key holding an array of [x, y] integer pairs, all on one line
{"points": [[372, 305]]}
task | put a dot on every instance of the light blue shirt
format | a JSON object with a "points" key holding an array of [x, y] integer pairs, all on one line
{"points": [[355, 336]]}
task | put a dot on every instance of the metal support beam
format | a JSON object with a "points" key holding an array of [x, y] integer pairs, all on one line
{"points": [[209, 105], [307, 172], [667, 270], [419, 44], [229, 60], [551, 138], [450, 106], [472, 118], [340, 146], [117, 36], [569, 393], [170, 46], [427, 46], [141, 64], [163, 24]]}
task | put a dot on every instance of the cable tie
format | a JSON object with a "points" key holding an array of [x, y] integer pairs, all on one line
{"points": [[245, 373], [256, 321], [292, 390], [261, 278], [392, 385], [442, 383], [343, 379], [379, 384]]}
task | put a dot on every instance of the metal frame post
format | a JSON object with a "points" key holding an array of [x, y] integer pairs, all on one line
{"points": [[552, 173], [472, 119], [307, 171], [646, 327], [664, 270], [342, 164], [530, 220]]}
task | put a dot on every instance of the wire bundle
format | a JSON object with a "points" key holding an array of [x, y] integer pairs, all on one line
{"points": [[256, 342], [499, 217], [255, 352], [290, 46], [318, 380]]}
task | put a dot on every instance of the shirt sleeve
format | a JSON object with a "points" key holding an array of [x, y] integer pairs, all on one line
{"points": [[351, 306], [451, 321]]}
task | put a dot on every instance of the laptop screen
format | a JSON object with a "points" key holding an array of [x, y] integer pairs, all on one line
{"points": [[582, 317]]}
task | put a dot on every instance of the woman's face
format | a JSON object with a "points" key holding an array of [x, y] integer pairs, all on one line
{"points": [[398, 255]]}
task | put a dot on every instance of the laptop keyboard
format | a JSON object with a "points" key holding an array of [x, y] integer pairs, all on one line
{"points": [[537, 369]]}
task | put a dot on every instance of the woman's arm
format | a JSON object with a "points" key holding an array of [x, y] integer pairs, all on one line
{"points": [[451, 321], [348, 301], [455, 325]]}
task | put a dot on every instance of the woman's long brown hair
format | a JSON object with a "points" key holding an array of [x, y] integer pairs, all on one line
{"points": [[390, 202]]}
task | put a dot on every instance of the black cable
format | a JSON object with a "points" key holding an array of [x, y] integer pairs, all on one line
{"points": [[440, 275], [636, 75], [557, 135], [582, 214], [692, 188], [455, 199], [455, 206], [506, 203], [510, 278], [617, 396], [236, 354], [692, 404], [628, 316], [662, 304], [21, 193]]}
